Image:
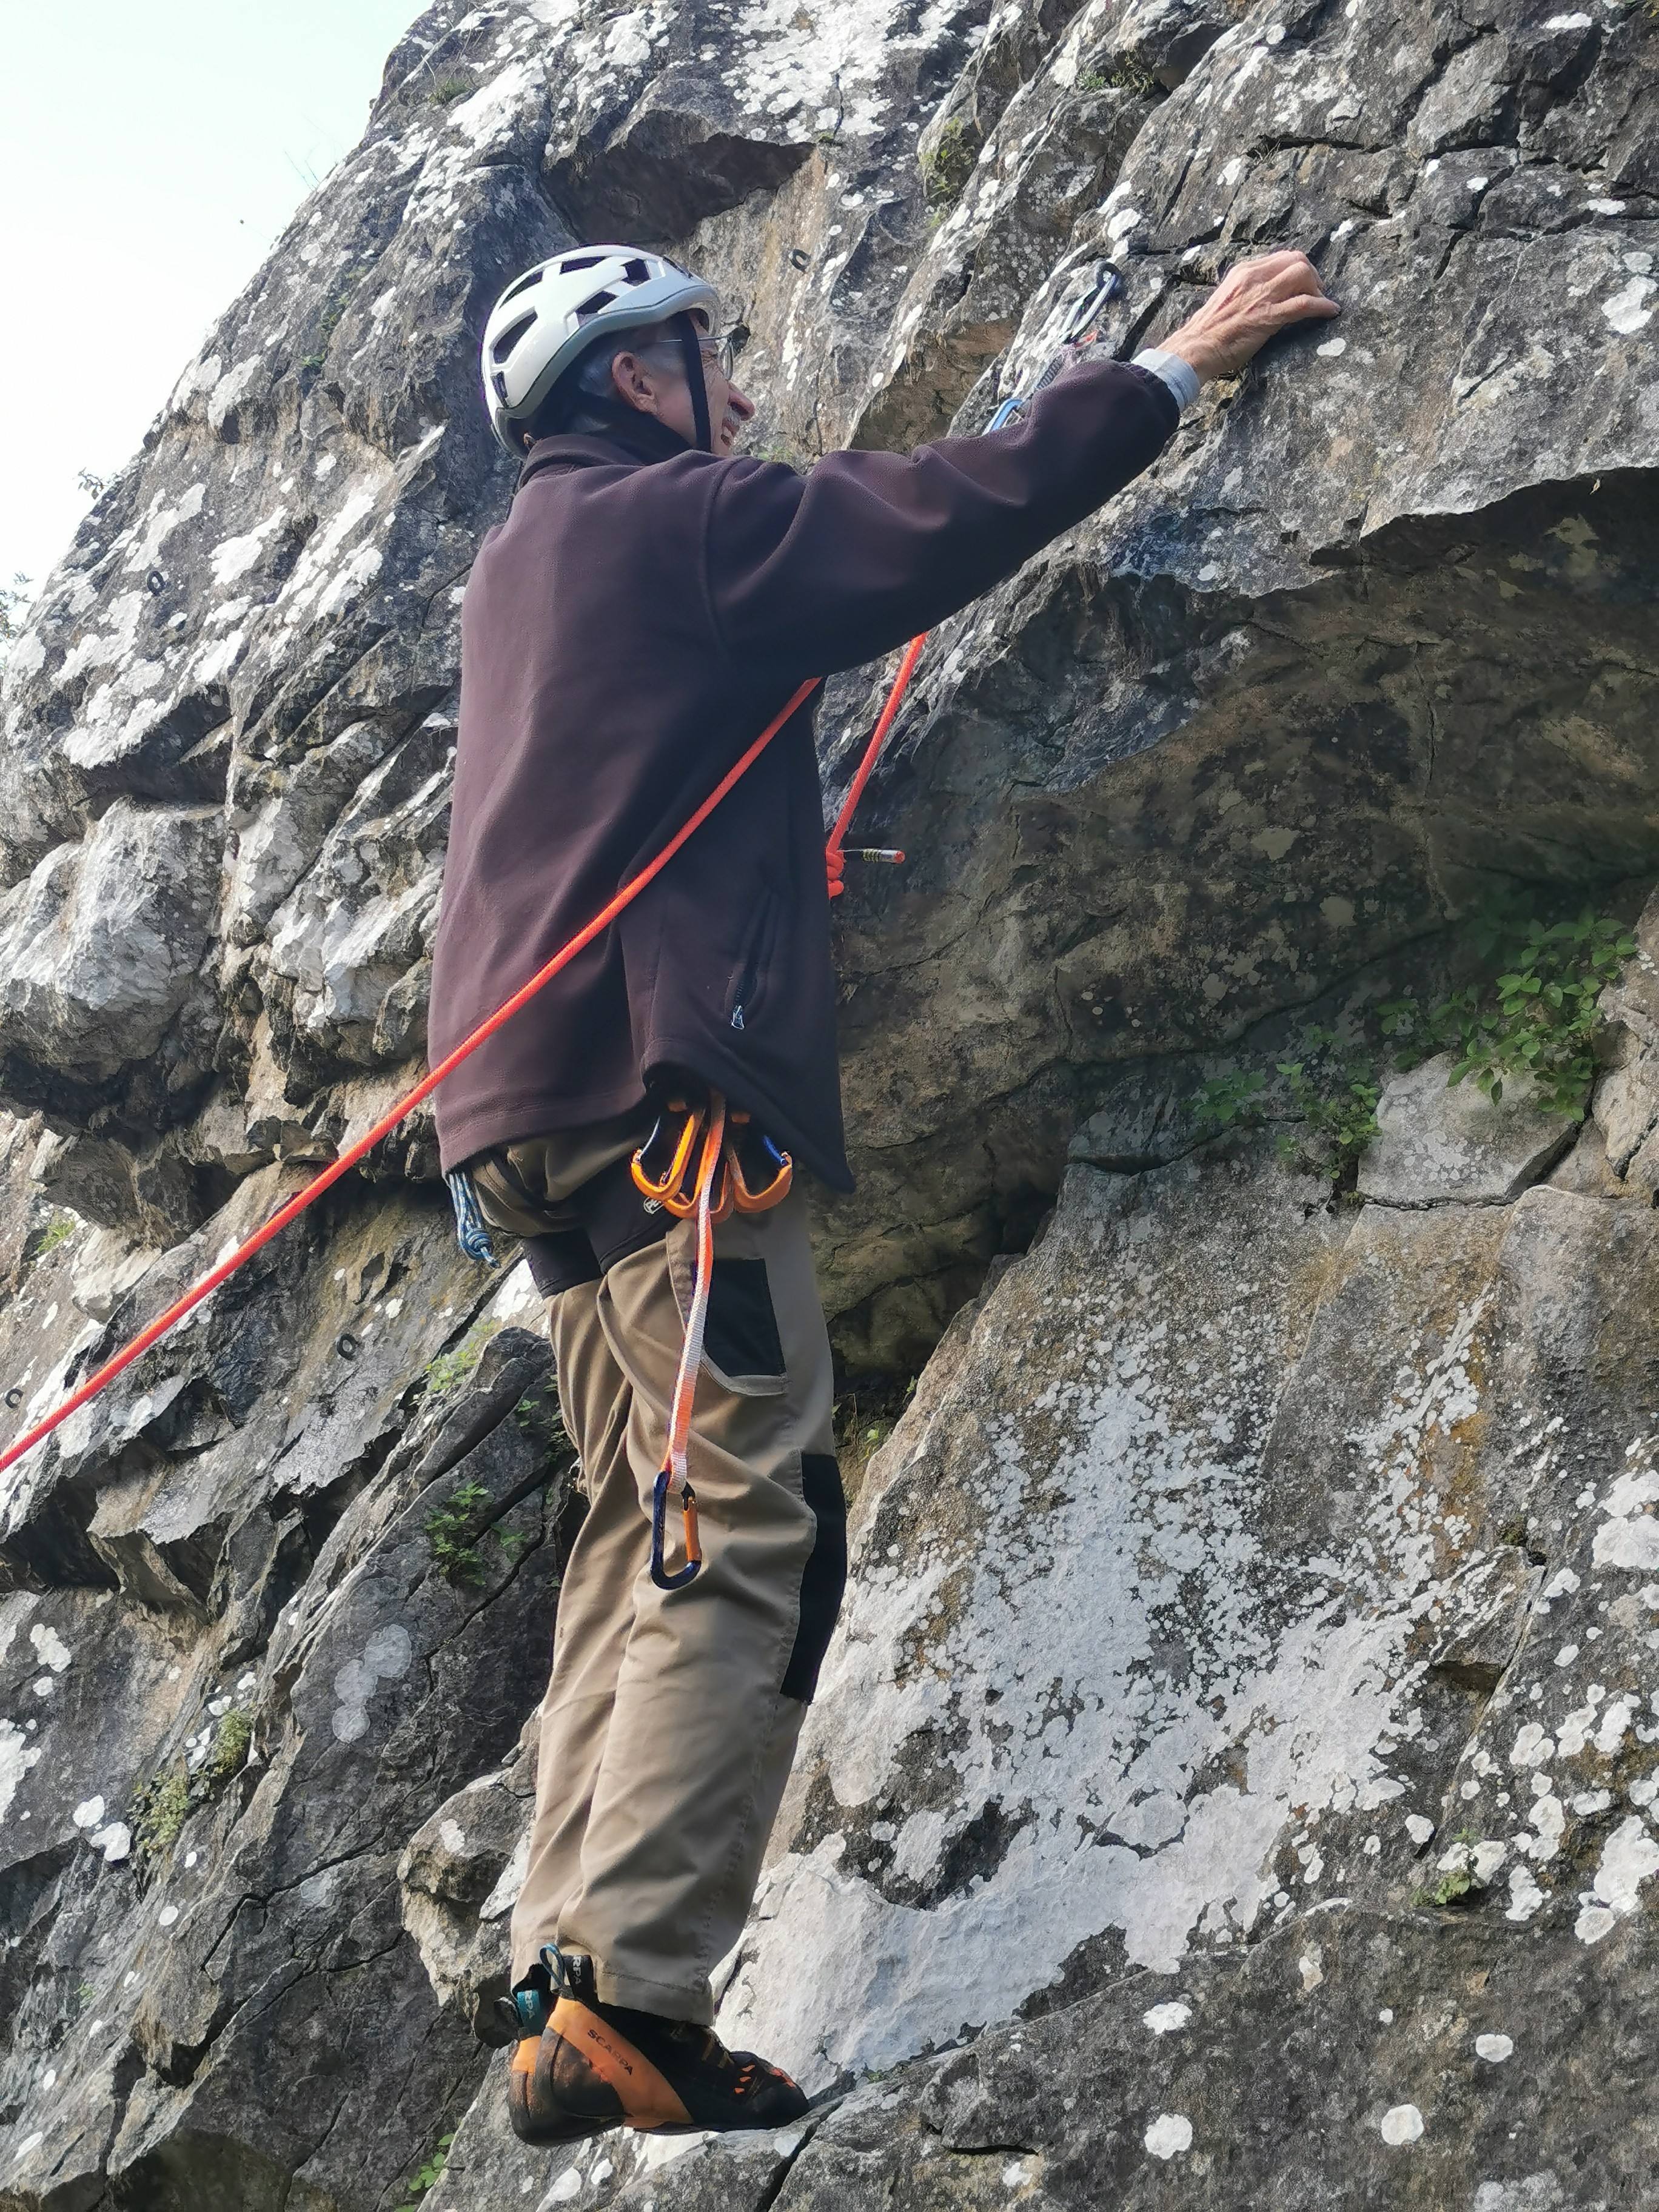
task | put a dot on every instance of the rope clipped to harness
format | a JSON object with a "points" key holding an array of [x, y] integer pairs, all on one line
{"points": [[673, 1481], [738, 1170]]}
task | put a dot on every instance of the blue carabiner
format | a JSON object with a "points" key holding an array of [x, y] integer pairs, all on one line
{"points": [[692, 1566]]}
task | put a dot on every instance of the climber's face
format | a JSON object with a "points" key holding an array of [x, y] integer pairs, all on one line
{"points": [[654, 381]]}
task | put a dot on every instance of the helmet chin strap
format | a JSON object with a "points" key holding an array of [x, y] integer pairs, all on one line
{"points": [[691, 347]]}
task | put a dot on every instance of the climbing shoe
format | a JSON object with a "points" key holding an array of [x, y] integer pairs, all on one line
{"points": [[594, 2066]]}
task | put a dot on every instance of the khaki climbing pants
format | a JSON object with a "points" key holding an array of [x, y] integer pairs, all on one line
{"points": [[671, 1719]]}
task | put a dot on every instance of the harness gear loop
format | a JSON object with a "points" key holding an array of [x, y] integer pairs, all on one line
{"points": [[672, 1480], [751, 1176]]}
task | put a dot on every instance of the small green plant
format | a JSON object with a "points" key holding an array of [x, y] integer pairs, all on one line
{"points": [[457, 1530], [57, 1230], [453, 1530], [454, 1367], [1536, 1016], [1234, 1101], [231, 1746], [85, 1994], [1456, 1880], [1336, 1096], [539, 1419], [447, 88], [428, 2175], [1128, 76], [1331, 1093], [947, 168], [160, 1809]]}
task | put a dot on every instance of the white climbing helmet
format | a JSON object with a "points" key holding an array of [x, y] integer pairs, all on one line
{"points": [[548, 317]]}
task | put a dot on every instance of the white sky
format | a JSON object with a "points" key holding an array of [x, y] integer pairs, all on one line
{"points": [[151, 152]]}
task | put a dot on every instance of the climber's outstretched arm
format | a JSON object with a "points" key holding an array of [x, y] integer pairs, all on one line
{"points": [[834, 569]]}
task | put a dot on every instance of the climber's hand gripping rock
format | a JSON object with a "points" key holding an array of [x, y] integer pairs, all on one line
{"points": [[1252, 303]]}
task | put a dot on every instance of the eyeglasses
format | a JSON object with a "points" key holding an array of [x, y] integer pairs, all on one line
{"points": [[720, 353]]}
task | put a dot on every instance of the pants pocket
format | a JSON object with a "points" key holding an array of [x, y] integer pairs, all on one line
{"points": [[824, 1579], [742, 1347]]}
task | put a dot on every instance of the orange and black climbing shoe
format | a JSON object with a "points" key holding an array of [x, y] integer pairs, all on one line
{"points": [[591, 2066]]}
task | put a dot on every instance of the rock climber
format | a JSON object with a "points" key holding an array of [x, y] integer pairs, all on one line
{"points": [[652, 599]]}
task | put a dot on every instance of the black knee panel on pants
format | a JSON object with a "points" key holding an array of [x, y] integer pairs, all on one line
{"points": [[825, 1577]]}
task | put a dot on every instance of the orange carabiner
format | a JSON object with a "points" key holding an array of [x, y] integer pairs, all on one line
{"points": [[670, 1188], [761, 1181]]}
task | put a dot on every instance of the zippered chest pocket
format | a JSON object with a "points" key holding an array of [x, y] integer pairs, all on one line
{"points": [[747, 992]]}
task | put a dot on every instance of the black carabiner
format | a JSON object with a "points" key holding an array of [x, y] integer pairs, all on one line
{"points": [[692, 1566]]}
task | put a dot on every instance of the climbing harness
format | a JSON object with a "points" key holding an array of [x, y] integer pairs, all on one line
{"points": [[423, 1090]]}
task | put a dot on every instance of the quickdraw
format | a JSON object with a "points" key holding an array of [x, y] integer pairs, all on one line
{"points": [[1076, 329], [725, 1147]]}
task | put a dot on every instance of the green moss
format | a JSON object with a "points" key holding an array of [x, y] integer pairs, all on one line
{"points": [[231, 1746], [448, 88], [160, 1808], [947, 168], [453, 1367], [1128, 76]]}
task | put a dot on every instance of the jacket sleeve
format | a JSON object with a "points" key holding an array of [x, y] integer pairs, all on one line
{"points": [[834, 569]]}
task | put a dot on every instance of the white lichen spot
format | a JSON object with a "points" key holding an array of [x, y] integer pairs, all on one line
{"points": [[1629, 310], [1400, 2124], [1629, 1857], [1167, 2018], [1494, 2049], [1169, 2135], [50, 1648]]}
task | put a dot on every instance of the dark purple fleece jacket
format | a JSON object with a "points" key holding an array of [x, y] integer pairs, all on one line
{"points": [[627, 631]]}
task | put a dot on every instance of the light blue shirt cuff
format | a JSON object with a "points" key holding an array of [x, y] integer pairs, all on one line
{"points": [[1180, 376]]}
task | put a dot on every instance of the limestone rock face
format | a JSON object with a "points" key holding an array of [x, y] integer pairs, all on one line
{"points": [[1243, 1721]]}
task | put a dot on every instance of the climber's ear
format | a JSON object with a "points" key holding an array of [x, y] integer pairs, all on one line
{"points": [[639, 382]]}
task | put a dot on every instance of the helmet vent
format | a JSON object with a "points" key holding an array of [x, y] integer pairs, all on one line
{"points": [[509, 337], [583, 261], [592, 307], [637, 273], [523, 285]]}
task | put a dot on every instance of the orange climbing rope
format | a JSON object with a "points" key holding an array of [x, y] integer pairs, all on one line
{"points": [[388, 1121], [834, 857]]}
